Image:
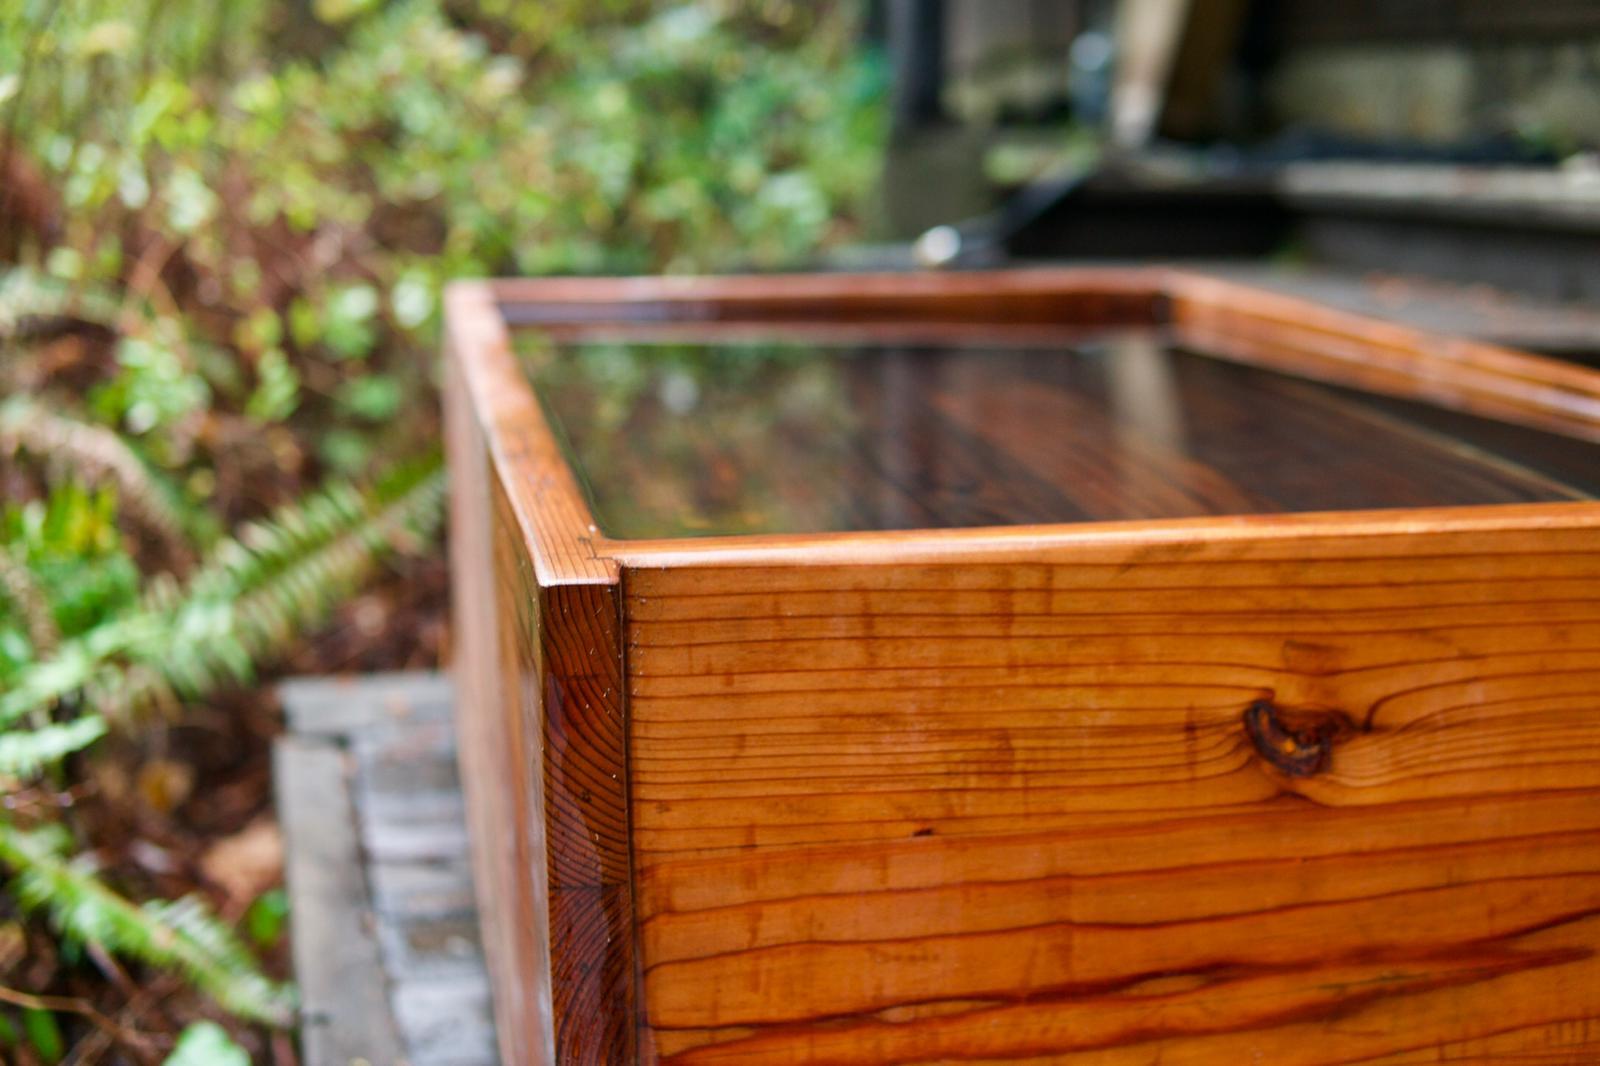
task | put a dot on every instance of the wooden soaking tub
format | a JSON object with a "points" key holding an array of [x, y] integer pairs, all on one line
{"points": [[1120, 665]]}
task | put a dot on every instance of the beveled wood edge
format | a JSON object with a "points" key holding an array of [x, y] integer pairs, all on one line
{"points": [[554, 517], [746, 294], [1251, 324], [1295, 534]]}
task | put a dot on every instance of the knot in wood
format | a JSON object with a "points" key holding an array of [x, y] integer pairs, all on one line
{"points": [[1297, 741]]}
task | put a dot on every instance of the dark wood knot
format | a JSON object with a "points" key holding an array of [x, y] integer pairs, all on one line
{"points": [[1298, 742]]}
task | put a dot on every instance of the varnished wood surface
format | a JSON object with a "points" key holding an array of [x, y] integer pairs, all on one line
{"points": [[541, 725], [1319, 342], [949, 812], [1210, 313], [689, 437], [491, 602], [1298, 788], [540, 488], [583, 757], [1040, 297]]}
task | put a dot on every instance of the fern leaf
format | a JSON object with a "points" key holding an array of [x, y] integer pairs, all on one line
{"points": [[98, 456], [220, 641], [24, 752], [180, 936], [250, 600]]}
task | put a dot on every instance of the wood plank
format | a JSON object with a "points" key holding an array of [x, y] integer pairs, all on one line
{"points": [[586, 824], [1327, 344], [344, 994], [485, 604], [968, 832], [501, 419]]}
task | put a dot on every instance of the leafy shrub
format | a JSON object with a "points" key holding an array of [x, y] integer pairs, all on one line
{"points": [[224, 226]]}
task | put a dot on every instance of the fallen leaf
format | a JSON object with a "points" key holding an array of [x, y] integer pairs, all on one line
{"points": [[246, 864], [164, 784], [13, 946]]}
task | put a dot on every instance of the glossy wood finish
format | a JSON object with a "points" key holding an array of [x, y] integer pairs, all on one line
{"points": [[1329, 345], [914, 812], [1283, 788], [1210, 314], [586, 823], [493, 651], [676, 437], [542, 745]]}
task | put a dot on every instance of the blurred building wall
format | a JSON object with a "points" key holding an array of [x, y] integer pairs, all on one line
{"points": [[1439, 71], [1007, 56]]}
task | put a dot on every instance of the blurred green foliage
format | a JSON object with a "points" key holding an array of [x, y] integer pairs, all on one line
{"points": [[206, 1044], [224, 230], [278, 193], [70, 543]]}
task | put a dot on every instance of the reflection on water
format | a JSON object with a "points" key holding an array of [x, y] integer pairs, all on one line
{"points": [[691, 439]]}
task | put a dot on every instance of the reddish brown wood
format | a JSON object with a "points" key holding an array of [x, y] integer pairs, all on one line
{"points": [[1319, 342], [1041, 298], [987, 808], [487, 592], [542, 748], [586, 824], [1283, 788]]}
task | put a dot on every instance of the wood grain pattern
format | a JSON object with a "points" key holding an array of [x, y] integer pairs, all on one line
{"points": [[488, 595], [557, 530], [1289, 788], [586, 825], [1000, 810], [1327, 344], [857, 434], [540, 715], [1233, 320]]}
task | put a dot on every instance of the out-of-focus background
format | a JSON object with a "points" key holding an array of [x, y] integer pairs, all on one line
{"points": [[1448, 139], [224, 231]]}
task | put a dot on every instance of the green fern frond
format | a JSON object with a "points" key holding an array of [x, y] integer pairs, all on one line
{"points": [[179, 936], [98, 456], [29, 603], [268, 602], [250, 600], [24, 752]]}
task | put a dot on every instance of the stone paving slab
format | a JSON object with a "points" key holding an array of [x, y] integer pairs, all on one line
{"points": [[384, 926], [341, 706], [446, 1023]]}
